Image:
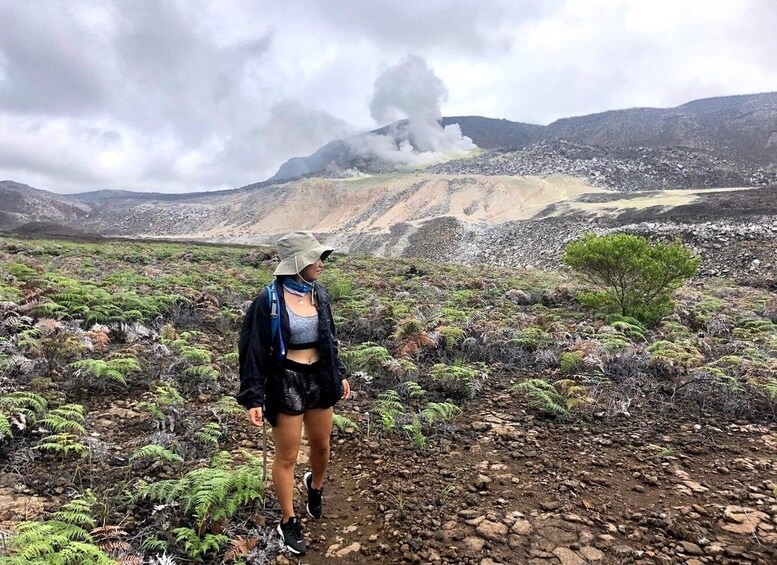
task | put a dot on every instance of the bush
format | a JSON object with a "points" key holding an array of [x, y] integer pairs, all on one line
{"points": [[635, 278]]}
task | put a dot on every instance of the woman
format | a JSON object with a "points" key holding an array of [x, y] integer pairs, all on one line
{"points": [[291, 375]]}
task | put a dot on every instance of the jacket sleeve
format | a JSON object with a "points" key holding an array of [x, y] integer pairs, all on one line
{"points": [[339, 365], [251, 353]]}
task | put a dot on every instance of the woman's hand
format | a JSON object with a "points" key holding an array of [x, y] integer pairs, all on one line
{"points": [[346, 390], [255, 416]]}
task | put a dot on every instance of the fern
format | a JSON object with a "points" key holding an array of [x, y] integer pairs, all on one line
{"points": [[197, 547], [209, 434], [66, 418], [210, 493], [116, 369], [451, 336], [368, 356], [341, 423], [202, 372], [62, 540], [21, 408], [388, 406], [153, 543], [440, 412], [156, 452], [78, 511], [5, 426], [413, 389], [416, 433], [194, 354], [543, 396], [63, 444], [227, 405]]}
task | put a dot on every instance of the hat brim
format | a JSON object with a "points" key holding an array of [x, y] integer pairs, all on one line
{"points": [[296, 263]]}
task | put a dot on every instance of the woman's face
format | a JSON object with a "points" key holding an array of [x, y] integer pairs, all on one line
{"points": [[312, 272]]}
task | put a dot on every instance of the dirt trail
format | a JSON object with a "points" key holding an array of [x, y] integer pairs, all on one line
{"points": [[501, 486]]}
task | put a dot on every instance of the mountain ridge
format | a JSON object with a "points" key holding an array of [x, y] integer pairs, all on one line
{"points": [[741, 126]]}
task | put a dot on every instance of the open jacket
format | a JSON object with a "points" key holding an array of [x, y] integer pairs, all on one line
{"points": [[259, 368]]}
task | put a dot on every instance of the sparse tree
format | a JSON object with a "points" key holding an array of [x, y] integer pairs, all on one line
{"points": [[634, 276]]}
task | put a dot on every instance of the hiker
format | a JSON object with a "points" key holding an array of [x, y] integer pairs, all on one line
{"points": [[290, 373]]}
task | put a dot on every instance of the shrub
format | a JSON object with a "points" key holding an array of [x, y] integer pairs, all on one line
{"points": [[635, 278]]}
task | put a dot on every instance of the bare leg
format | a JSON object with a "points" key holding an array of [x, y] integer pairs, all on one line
{"points": [[286, 435], [318, 429]]}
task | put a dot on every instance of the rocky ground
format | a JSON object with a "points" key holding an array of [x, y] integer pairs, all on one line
{"points": [[653, 486], [623, 169]]}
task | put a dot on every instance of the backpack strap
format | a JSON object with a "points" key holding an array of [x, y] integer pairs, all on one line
{"points": [[275, 319]]}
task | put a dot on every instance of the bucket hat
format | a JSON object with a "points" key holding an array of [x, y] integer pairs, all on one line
{"points": [[297, 250]]}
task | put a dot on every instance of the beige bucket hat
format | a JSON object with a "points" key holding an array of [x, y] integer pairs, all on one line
{"points": [[297, 250]]}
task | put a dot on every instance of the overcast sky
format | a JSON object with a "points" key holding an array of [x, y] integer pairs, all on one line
{"points": [[179, 96]]}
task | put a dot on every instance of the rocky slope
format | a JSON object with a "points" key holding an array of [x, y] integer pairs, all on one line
{"points": [[20, 204], [625, 169]]}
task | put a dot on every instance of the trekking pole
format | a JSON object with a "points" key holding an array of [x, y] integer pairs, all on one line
{"points": [[264, 462]]}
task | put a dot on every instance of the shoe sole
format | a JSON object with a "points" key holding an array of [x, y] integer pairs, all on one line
{"points": [[307, 505], [287, 547]]}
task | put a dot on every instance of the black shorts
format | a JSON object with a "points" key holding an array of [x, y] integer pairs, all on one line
{"points": [[297, 388]]}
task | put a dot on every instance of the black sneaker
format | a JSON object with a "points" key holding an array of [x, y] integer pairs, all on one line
{"points": [[291, 535], [315, 504]]}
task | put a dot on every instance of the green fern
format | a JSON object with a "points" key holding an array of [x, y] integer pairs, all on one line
{"points": [[413, 389], [154, 544], [62, 444], [23, 406], [210, 493], [228, 406], [5, 426], [543, 396], [155, 452], [451, 336], [62, 540], [416, 433], [115, 369], [78, 512], [341, 423], [435, 412], [66, 418], [202, 373], [209, 434], [367, 356], [388, 406], [194, 546]]}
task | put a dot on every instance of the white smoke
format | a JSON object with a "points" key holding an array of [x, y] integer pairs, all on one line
{"points": [[411, 90]]}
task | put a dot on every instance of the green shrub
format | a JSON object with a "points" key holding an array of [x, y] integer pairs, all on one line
{"points": [[634, 277]]}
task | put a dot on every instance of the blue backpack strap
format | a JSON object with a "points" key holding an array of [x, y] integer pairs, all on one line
{"points": [[275, 319]]}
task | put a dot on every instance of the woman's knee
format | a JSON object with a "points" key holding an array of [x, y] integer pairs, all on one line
{"points": [[320, 449], [285, 461]]}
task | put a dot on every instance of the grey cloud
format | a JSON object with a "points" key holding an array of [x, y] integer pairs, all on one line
{"points": [[292, 129], [49, 63], [466, 28], [180, 78]]}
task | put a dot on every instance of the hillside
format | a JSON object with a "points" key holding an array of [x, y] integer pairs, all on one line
{"points": [[646, 445], [20, 204]]}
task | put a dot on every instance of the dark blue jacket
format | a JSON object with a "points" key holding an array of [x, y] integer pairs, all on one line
{"points": [[258, 362]]}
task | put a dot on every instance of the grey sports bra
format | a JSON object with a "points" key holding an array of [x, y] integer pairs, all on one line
{"points": [[304, 330]]}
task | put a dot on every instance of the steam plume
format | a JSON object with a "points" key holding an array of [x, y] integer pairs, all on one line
{"points": [[412, 90]]}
